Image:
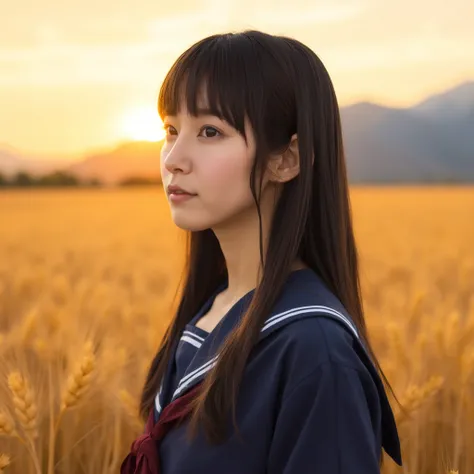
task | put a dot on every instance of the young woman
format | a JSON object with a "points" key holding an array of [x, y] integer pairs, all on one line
{"points": [[266, 366]]}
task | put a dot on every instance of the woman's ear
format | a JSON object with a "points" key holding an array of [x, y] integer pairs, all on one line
{"points": [[285, 166]]}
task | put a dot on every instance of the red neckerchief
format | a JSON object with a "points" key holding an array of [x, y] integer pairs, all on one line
{"points": [[143, 457]]}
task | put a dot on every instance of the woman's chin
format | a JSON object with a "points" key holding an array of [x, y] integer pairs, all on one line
{"points": [[195, 222], [190, 225]]}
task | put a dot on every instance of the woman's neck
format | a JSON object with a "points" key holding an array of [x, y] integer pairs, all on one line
{"points": [[239, 242]]}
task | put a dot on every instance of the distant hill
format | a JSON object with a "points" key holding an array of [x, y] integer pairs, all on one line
{"points": [[12, 161], [128, 159], [432, 141], [455, 102]]}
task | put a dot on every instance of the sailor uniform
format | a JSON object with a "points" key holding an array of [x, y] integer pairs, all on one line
{"points": [[310, 400]]}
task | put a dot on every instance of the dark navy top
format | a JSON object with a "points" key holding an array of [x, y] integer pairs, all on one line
{"points": [[310, 401]]}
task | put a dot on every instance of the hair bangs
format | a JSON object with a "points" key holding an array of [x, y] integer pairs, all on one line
{"points": [[213, 76]]}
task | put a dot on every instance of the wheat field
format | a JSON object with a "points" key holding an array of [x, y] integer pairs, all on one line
{"points": [[87, 280]]}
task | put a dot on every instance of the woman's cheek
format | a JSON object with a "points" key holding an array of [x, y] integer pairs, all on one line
{"points": [[230, 166], [231, 195]]}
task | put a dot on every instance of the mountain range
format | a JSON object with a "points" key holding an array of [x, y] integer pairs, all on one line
{"points": [[430, 142]]}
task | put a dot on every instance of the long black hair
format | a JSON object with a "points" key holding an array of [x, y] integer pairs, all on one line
{"points": [[283, 88]]}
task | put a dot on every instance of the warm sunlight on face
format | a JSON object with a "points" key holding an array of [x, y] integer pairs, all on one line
{"points": [[143, 123]]}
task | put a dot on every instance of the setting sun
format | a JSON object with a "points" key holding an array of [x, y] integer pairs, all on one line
{"points": [[143, 123]]}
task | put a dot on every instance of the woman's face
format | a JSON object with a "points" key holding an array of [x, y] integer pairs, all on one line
{"points": [[207, 157]]}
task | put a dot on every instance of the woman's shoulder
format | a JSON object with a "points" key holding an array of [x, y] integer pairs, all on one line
{"points": [[315, 326], [319, 339]]}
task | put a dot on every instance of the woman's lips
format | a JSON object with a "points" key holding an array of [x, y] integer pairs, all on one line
{"points": [[181, 197]]}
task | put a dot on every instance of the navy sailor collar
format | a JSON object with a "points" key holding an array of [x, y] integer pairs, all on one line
{"points": [[314, 300], [284, 313]]}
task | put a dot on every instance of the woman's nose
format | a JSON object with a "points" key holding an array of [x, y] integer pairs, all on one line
{"points": [[178, 160]]}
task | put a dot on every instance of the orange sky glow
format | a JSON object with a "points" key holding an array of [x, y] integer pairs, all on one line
{"points": [[84, 76]]}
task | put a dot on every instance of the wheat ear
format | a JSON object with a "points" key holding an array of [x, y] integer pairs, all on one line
{"points": [[4, 462], [26, 411], [79, 381], [77, 384], [416, 395], [6, 425], [23, 401]]}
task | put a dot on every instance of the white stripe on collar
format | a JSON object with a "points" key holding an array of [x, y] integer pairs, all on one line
{"points": [[157, 399], [191, 341], [186, 381], [189, 333], [309, 309]]}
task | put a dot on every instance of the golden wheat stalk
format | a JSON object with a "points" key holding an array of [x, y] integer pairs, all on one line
{"points": [[7, 428], [4, 462], [6, 425], [79, 380], [131, 407], [24, 403], [27, 412], [77, 385], [415, 396], [396, 342]]}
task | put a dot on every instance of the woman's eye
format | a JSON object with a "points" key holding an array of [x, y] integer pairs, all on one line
{"points": [[170, 130], [212, 131]]}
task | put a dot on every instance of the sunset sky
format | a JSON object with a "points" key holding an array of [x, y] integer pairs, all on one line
{"points": [[80, 76]]}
